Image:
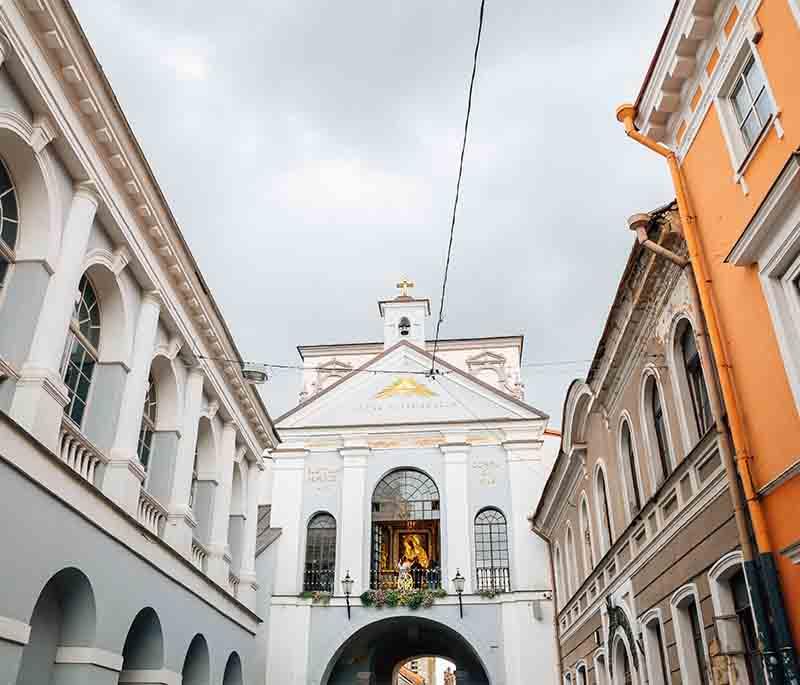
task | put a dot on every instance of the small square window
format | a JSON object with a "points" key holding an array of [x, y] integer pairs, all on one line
{"points": [[751, 102]]}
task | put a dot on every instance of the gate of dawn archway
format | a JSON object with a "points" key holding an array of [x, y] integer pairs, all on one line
{"points": [[373, 654]]}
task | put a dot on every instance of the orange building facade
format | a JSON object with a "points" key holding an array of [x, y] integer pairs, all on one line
{"points": [[723, 95]]}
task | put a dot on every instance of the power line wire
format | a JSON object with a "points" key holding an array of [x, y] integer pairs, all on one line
{"points": [[458, 184]]}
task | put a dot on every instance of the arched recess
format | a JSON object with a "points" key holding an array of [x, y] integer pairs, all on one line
{"points": [[35, 178], [576, 414], [624, 672], [165, 438], [320, 557], [630, 468], [64, 616], [587, 539], [196, 666], [144, 647], [204, 478], [233, 671], [656, 428], [558, 571], [236, 518], [571, 561], [116, 338], [605, 518]]}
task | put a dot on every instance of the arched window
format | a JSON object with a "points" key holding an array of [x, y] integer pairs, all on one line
{"points": [[659, 428], [195, 479], [569, 558], [148, 424], [82, 344], [558, 572], [629, 464], [405, 532], [696, 381], [320, 554], [404, 326], [491, 551], [603, 511], [9, 218], [586, 536]]}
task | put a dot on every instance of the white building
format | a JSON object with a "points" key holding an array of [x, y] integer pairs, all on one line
{"points": [[404, 480], [129, 463]]}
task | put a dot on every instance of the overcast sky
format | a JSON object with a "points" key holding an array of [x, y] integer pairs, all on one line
{"points": [[309, 151]]}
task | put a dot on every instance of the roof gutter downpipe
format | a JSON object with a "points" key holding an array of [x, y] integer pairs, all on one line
{"points": [[761, 577], [556, 626]]}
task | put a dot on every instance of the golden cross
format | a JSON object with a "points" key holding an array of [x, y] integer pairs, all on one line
{"points": [[404, 285]]}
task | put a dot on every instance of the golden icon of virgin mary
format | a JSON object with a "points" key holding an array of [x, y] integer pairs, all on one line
{"points": [[414, 551]]}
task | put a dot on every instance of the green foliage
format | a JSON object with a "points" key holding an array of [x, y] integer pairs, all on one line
{"points": [[413, 599], [316, 596]]}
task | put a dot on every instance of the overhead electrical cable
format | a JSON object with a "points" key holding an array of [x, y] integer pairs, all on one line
{"points": [[458, 185]]}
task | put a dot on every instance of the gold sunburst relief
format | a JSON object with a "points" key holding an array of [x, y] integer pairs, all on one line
{"points": [[404, 387]]}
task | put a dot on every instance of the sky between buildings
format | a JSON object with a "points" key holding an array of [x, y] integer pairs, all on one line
{"points": [[309, 151]]}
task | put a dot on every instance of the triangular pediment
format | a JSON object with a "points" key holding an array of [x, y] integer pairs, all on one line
{"points": [[395, 388]]}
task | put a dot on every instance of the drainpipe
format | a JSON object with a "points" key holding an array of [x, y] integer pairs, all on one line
{"points": [[556, 632], [639, 223], [703, 282]]}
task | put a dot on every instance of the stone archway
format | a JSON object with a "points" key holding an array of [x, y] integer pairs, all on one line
{"points": [[372, 655]]}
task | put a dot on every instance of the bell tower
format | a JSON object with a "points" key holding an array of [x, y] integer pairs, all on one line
{"points": [[404, 317]]}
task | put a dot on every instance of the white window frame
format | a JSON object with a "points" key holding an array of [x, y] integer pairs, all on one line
{"points": [[620, 640], [772, 241], [605, 544], [626, 473], [740, 153], [589, 556], [600, 668], [683, 633], [730, 639], [649, 429], [794, 5], [651, 647]]}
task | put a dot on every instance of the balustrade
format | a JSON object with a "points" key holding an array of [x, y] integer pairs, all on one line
{"points": [[493, 579], [150, 513], [78, 453], [318, 580], [422, 579], [233, 584]]}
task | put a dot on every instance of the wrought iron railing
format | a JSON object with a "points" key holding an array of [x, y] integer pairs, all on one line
{"points": [[422, 579], [496, 579], [318, 580]]}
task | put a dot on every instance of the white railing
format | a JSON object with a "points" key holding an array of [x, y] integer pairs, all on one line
{"points": [[77, 452], [233, 584], [199, 555], [150, 513]]}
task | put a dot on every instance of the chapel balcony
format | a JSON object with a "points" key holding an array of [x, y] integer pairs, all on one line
{"points": [[421, 579], [493, 579]]}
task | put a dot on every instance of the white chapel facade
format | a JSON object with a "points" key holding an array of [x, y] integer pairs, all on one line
{"points": [[402, 480]]}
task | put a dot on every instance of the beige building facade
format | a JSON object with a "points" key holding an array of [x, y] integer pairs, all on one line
{"points": [[647, 569]]}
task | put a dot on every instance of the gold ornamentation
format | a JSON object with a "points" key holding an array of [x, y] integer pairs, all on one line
{"points": [[405, 387]]}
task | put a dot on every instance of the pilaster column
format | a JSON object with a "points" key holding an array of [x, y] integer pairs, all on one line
{"points": [[456, 503], [354, 519], [528, 553], [180, 520], [40, 394], [5, 50], [125, 473], [247, 576], [287, 506], [219, 558]]}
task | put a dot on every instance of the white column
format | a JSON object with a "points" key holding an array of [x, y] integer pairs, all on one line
{"points": [[219, 558], [125, 473], [456, 504], [247, 575], [180, 520], [354, 519], [529, 560], [287, 505], [40, 394]]}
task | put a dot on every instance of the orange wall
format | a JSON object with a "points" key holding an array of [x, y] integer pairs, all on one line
{"points": [[723, 211]]}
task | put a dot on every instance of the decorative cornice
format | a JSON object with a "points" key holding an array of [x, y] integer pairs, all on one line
{"points": [[75, 66], [44, 132]]}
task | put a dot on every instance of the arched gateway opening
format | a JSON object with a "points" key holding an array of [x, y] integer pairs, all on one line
{"points": [[375, 654]]}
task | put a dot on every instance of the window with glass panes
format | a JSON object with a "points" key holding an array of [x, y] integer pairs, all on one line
{"points": [[605, 511], [696, 381], [660, 429], [320, 554], [82, 344], [630, 463], [697, 640], [751, 102], [747, 627], [491, 550], [9, 218], [414, 492], [148, 424]]}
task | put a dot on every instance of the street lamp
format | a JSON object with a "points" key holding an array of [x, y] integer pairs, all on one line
{"points": [[347, 587], [458, 584]]}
